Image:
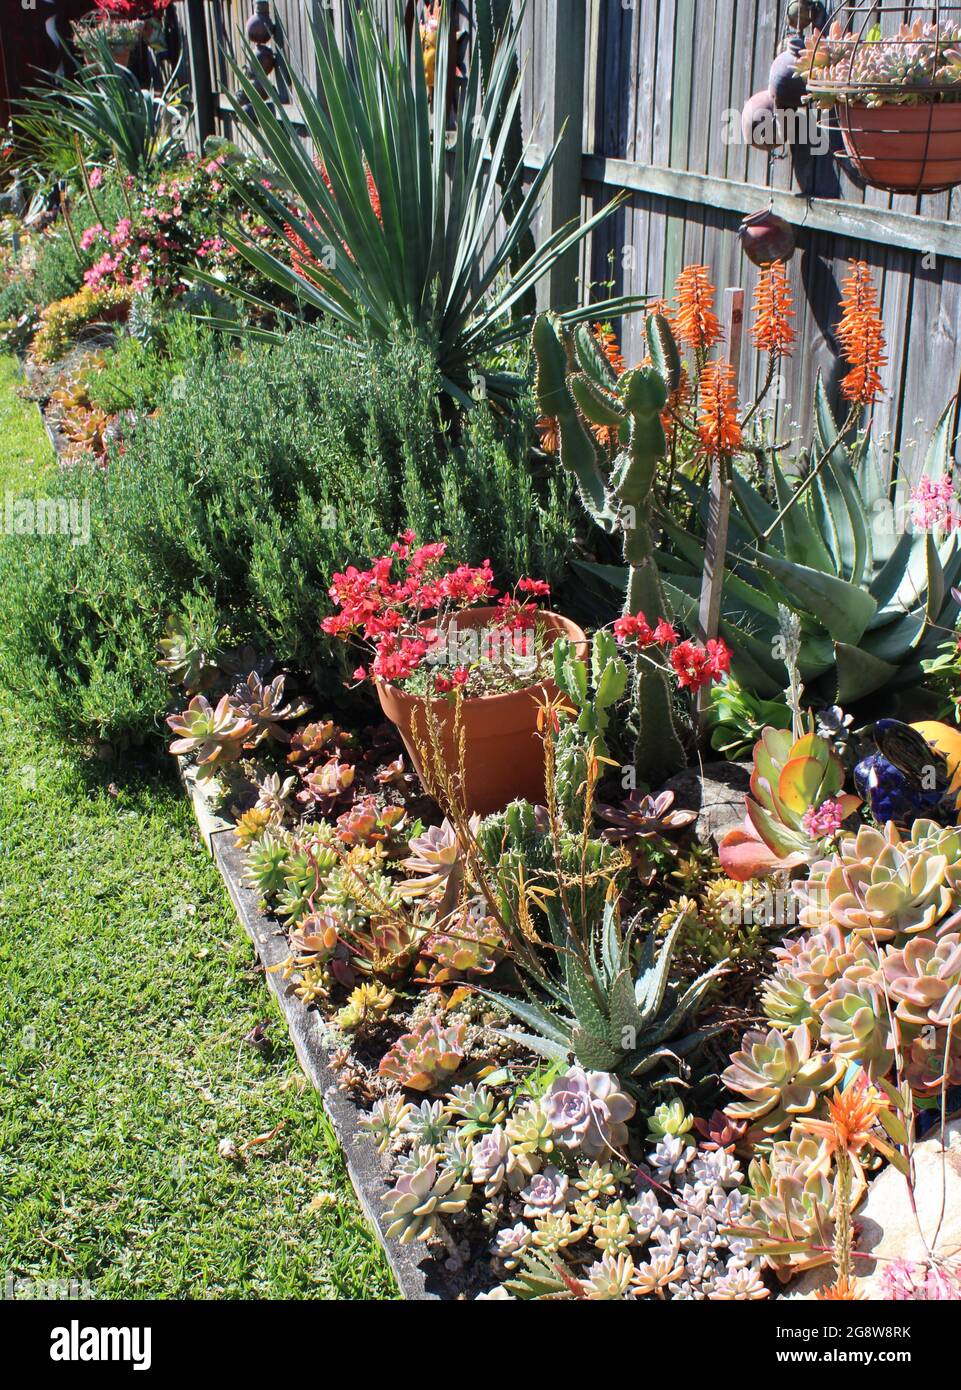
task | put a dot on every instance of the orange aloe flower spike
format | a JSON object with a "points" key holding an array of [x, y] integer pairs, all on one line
{"points": [[772, 331], [860, 333], [695, 322], [718, 424]]}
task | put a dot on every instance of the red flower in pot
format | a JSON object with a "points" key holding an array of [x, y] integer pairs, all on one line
{"points": [[461, 669]]}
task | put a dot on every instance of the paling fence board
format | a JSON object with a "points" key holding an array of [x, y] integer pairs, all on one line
{"points": [[660, 78]]}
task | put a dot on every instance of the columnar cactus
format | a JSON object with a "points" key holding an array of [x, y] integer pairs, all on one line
{"points": [[576, 384]]}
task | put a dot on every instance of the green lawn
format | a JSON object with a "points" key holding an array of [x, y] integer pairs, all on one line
{"points": [[126, 990]]}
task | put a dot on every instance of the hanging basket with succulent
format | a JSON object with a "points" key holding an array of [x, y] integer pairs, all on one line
{"points": [[892, 75]]}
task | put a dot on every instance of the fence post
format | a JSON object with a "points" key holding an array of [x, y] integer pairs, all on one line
{"points": [[565, 44], [199, 51], [719, 507]]}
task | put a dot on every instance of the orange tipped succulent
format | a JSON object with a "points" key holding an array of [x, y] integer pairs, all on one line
{"points": [[695, 322], [843, 1288], [772, 331], [718, 424], [861, 335]]}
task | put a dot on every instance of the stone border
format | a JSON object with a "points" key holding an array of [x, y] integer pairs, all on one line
{"points": [[418, 1276]]}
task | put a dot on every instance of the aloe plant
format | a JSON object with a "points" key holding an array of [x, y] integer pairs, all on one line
{"points": [[405, 225], [873, 603], [609, 1017]]}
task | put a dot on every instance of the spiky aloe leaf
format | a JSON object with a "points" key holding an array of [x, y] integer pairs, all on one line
{"points": [[544, 1024], [594, 1053], [651, 984], [844, 609]]}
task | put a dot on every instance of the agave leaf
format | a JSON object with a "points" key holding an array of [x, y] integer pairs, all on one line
{"points": [[685, 1006], [651, 984], [844, 609], [535, 1016], [544, 1047], [802, 541], [593, 1053]]}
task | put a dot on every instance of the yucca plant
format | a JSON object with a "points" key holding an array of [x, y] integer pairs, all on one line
{"points": [[609, 1017], [106, 106], [874, 600], [397, 223]]}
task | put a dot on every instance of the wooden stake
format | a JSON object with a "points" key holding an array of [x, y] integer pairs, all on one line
{"points": [[719, 512]]}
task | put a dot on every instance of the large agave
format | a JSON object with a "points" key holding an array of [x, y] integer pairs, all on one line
{"points": [[781, 1078], [874, 600], [608, 1018]]}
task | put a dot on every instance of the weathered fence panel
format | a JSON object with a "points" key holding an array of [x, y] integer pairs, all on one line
{"points": [[661, 79]]}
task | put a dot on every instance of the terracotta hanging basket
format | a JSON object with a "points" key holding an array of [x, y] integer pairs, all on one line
{"points": [[904, 149], [892, 76], [503, 750]]}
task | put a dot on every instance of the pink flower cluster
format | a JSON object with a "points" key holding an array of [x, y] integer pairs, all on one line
{"points": [[821, 821], [934, 505], [389, 614], [905, 1281], [695, 665]]}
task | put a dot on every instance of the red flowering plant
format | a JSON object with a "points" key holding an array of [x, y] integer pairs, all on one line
{"points": [[403, 613], [693, 664]]}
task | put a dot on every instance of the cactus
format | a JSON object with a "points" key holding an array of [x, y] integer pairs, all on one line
{"points": [[607, 676], [622, 500]]}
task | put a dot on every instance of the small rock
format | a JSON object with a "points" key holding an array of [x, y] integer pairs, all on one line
{"points": [[716, 793], [228, 1151]]}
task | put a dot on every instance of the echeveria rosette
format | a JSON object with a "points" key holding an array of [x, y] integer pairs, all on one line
{"points": [[855, 1022], [588, 1112], [878, 885], [791, 1203], [216, 736], [790, 779], [781, 1077], [420, 1198], [925, 979], [426, 1057]]}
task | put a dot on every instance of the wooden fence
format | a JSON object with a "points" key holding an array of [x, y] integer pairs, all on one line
{"points": [[651, 85]]}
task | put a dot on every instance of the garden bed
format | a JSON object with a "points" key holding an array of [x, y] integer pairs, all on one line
{"points": [[418, 1275]]}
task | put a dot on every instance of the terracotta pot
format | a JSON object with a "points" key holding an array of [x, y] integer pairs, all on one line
{"points": [[904, 149], [503, 752]]}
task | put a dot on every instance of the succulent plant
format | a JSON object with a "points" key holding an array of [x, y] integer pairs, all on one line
{"points": [[878, 885], [719, 1133], [494, 1163], [780, 1077], [785, 1003], [510, 1244], [428, 1124], [595, 1179], [368, 1003], [588, 1112], [471, 943], [427, 1056], [819, 960], [925, 979], [216, 736], [791, 1205], [267, 863], [610, 1279], [855, 1023], [325, 787], [316, 935], [618, 494], [530, 1131], [251, 826], [478, 1108], [185, 657], [386, 1121], [263, 704], [643, 817], [790, 778], [612, 1020], [612, 1231], [275, 797], [874, 599], [436, 859], [420, 1199], [592, 689], [899, 69], [670, 1118], [546, 1191]]}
